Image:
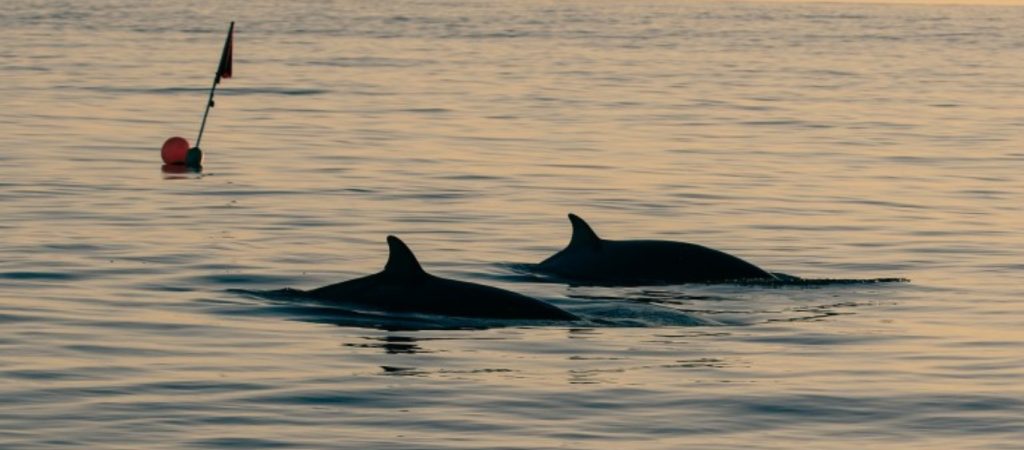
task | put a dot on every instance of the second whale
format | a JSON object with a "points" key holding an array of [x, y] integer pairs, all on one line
{"points": [[589, 259]]}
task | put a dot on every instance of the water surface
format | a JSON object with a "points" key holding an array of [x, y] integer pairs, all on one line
{"points": [[819, 140]]}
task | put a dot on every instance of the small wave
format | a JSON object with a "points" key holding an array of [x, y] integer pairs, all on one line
{"points": [[368, 62], [55, 276], [425, 110], [241, 442], [237, 278], [784, 280], [8, 318]]}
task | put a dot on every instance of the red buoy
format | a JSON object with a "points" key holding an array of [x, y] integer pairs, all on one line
{"points": [[175, 150]]}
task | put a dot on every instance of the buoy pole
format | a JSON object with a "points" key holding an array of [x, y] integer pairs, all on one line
{"points": [[209, 104], [223, 71]]}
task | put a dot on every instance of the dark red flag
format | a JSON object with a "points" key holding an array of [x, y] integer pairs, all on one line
{"points": [[224, 70]]}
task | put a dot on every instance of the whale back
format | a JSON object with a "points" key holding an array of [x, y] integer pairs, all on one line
{"points": [[404, 287], [588, 258], [401, 270]]}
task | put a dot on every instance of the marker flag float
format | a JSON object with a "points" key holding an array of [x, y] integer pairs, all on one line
{"points": [[172, 149]]}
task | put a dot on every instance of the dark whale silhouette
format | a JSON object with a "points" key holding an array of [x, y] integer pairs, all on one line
{"points": [[588, 259], [403, 286]]}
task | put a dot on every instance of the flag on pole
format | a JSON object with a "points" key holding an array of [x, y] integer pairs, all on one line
{"points": [[224, 70]]}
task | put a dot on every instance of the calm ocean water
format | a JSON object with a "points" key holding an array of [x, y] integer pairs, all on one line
{"points": [[820, 140]]}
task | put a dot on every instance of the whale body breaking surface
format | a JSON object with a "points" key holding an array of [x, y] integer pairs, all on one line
{"points": [[411, 298], [589, 259], [404, 287]]}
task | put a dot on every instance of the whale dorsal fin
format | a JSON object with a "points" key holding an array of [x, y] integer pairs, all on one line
{"points": [[401, 261], [582, 235]]}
